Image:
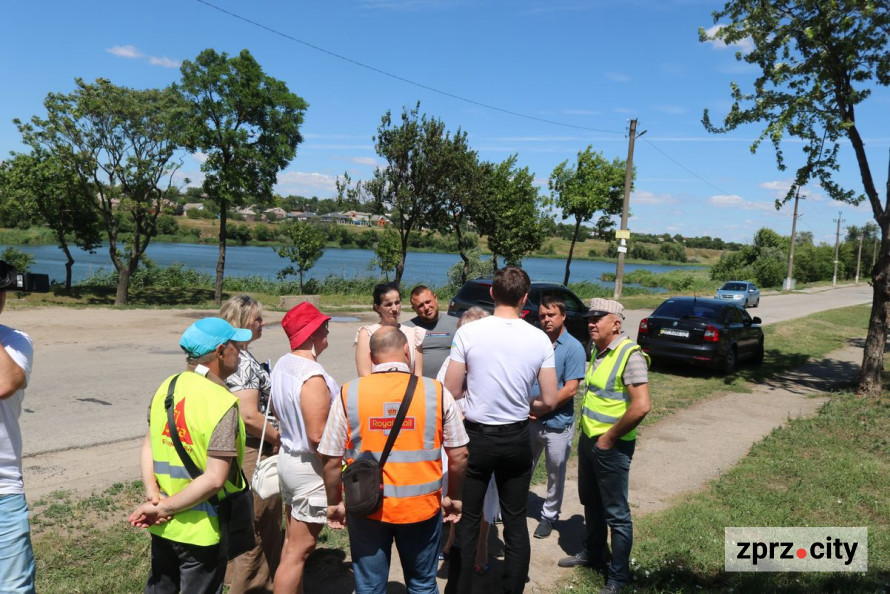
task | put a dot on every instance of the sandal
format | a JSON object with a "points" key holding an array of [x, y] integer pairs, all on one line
{"points": [[480, 569]]}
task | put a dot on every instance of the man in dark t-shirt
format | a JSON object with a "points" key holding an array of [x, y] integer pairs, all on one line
{"points": [[439, 330]]}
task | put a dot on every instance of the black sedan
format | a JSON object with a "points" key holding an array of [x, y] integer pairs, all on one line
{"points": [[702, 331], [477, 292]]}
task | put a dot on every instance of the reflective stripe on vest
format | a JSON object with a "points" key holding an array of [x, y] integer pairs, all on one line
{"points": [[607, 399], [412, 475]]}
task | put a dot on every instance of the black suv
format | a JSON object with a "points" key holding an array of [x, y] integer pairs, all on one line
{"points": [[476, 292]]}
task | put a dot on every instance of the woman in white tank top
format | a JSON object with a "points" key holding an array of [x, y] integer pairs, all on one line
{"points": [[388, 305]]}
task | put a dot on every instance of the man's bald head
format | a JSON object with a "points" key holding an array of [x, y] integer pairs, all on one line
{"points": [[389, 345]]}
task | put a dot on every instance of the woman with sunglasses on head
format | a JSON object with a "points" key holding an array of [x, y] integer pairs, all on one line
{"points": [[253, 571], [388, 305], [302, 393]]}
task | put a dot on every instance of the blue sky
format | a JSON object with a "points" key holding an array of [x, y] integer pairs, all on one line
{"points": [[590, 64]]}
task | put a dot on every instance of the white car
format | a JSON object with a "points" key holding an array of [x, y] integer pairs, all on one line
{"points": [[739, 292]]}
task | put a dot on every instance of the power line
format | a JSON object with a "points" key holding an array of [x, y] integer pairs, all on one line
{"points": [[397, 77], [684, 168]]}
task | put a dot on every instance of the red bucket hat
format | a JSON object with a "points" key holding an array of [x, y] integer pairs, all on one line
{"points": [[301, 321]]}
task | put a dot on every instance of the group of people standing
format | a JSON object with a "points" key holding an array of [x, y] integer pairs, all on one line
{"points": [[505, 396]]}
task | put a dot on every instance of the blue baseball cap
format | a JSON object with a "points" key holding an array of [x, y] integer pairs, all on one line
{"points": [[205, 335]]}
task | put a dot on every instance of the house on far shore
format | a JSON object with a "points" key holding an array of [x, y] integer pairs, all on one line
{"points": [[305, 216], [338, 218], [247, 212], [192, 206], [380, 221], [274, 214], [361, 219]]}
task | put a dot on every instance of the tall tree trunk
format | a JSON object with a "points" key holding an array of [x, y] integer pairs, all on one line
{"points": [[494, 262], [123, 286], [871, 371], [301, 282], [465, 271], [400, 267], [69, 264], [221, 260], [571, 250]]}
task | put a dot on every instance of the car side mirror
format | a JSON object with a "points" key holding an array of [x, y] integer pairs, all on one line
{"points": [[756, 320]]}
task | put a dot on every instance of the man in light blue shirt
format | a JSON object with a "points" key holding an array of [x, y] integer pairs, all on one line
{"points": [[553, 432]]}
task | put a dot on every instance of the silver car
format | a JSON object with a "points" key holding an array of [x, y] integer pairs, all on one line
{"points": [[739, 292]]}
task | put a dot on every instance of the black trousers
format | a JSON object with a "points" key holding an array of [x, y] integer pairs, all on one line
{"points": [[506, 453]]}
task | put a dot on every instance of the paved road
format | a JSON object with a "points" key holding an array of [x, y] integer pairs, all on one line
{"points": [[96, 369]]}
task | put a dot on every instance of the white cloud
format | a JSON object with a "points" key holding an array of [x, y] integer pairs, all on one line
{"points": [[370, 161], [199, 157], [132, 52], [779, 189], [671, 109], [650, 198], [303, 182], [618, 77], [746, 45], [164, 61], [737, 202], [124, 51]]}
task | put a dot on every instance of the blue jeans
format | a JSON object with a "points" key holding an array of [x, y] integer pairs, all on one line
{"points": [[602, 487], [370, 543], [16, 555]]}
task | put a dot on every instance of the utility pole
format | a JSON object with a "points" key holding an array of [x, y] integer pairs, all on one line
{"points": [[859, 253], [623, 234], [837, 243], [788, 278]]}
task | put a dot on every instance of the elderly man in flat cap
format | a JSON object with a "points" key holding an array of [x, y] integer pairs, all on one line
{"points": [[616, 401]]}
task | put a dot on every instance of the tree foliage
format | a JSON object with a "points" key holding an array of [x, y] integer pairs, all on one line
{"points": [[41, 183], [387, 252], [593, 184], [246, 123], [415, 182], [817, 60], [122, 143], [307, 242], [509, 210]]}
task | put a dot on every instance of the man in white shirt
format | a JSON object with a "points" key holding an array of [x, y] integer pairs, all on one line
{"points": [[16, 555], [501, 357]]}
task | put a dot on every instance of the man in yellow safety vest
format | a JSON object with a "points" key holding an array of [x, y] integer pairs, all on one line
{"points": [[616, 401], [186, 554]]}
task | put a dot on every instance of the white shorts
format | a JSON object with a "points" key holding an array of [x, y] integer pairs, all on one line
{"points": [[302, 487]]}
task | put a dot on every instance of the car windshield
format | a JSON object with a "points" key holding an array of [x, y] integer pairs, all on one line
{"points": [[573, 304], [477, 293], [734, 287], [684, 310]]}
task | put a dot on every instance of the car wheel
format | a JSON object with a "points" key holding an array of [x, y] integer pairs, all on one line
{"points": [[758, 354], [756, 303], [730, 362]]}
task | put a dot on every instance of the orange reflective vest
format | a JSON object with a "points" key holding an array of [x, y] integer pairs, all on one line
{"points": [[412, 475]]}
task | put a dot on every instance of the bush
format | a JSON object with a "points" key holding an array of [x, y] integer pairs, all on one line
{"points": [[18, 259]]}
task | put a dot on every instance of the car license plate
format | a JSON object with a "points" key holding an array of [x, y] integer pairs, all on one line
{"points": [[675, 332]]}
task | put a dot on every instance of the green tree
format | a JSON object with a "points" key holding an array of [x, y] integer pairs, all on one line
{"points": [[387, 252], [16, 258], [509, 211], [246, 123], [415, 179], [307, 246], [42, 184], [593, 185], [121, 143], [817, 61]]}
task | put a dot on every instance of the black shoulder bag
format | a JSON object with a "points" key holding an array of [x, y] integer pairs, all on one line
{"points": [[363, 479], [235, 510]]}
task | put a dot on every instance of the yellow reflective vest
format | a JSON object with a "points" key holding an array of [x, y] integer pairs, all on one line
{"points": [[606, 399], [198, 406]]}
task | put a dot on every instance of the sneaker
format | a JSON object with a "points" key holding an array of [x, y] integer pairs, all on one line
{"points": [[578, 560], [545, 527]]}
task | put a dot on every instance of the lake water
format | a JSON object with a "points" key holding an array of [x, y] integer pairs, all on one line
{"points": [[420, 267]]}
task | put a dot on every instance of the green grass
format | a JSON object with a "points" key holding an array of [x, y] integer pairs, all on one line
{"points": [[830, 470]]}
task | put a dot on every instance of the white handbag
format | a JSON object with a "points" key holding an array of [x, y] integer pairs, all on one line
{"points": [[265, 475]]}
